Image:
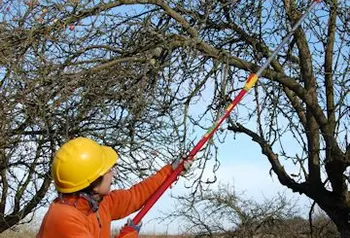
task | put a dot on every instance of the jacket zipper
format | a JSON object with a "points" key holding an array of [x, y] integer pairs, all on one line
{"points": [[99, 223]]}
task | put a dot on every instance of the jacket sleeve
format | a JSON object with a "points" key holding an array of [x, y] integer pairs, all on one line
{"points": [[122, 203]]}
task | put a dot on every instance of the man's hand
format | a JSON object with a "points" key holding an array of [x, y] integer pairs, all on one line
{"points": [[187, 164], [131, 223], [130, 230]]}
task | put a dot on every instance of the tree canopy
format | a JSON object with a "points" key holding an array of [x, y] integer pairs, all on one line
{"points": [[131, 73]]}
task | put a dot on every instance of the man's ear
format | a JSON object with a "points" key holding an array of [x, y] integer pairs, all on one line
{"points": [[96, 189], [96, 185]]}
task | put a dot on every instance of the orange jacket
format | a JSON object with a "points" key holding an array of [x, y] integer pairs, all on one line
{"points": [[74, 218]]}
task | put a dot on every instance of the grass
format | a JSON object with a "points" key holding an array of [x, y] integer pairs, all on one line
{"points": [[18, 233], [27, 232]]}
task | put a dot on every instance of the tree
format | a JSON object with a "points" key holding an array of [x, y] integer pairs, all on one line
{"points": [[132, 75], [58, 82]]}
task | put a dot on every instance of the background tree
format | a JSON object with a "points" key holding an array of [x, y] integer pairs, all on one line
{"points": [[222, 212], [130, 73]]}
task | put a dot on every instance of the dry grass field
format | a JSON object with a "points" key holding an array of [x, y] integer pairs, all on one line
{"points": [[26, 232], [30, 234], [18, 234]]}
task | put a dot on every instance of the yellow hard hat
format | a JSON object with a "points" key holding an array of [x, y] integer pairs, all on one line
{"points": [[79, 162]]}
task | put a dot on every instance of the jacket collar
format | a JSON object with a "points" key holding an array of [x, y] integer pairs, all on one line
{"points": [[84, 202]]}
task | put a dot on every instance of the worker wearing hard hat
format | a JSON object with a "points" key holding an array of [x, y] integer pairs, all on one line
{"points": [[85, 206]]}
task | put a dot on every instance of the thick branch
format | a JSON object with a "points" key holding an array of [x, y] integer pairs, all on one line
{"points": [[14, 218], [328, 65], [312, 128], [266, 149]]}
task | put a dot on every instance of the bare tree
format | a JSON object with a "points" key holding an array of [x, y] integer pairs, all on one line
{"points": [[58, 82], [303, 95], [131, 72]]}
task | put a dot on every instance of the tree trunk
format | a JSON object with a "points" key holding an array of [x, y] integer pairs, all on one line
{"points": [[339, 212], [345, 232]]}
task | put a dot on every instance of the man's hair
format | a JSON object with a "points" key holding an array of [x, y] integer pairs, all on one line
{"points": [[90, 188]]}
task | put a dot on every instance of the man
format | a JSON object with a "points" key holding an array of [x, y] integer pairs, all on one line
{"points": [[82, 171]]}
